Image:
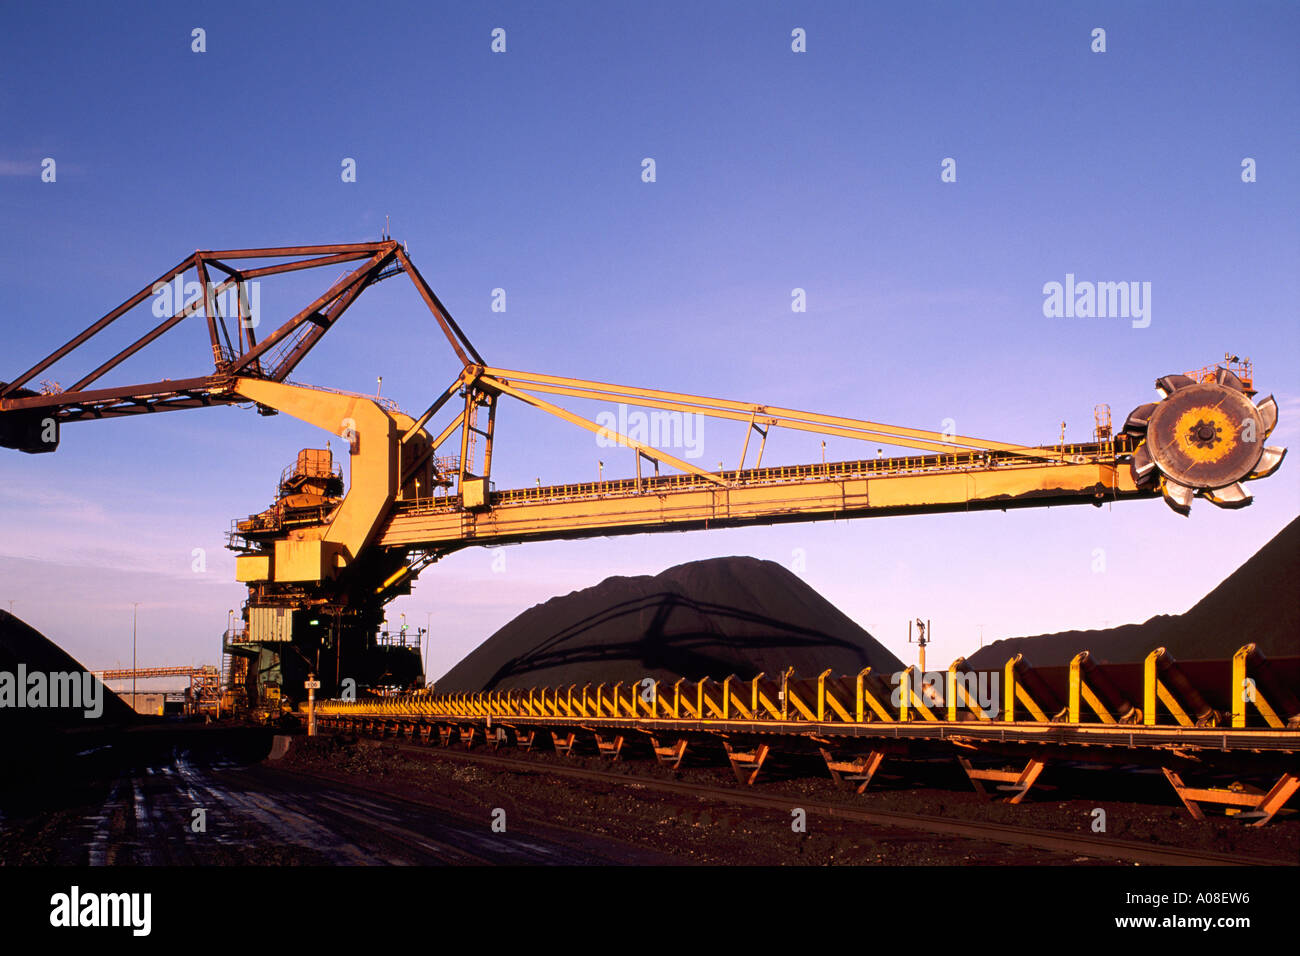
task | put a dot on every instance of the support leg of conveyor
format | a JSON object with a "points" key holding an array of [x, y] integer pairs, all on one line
{"points": [[746, 764], [858, 770], [1018, 784], [1258, 807], [671, 754]]}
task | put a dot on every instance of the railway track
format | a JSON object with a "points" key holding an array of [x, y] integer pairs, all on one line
{"points": [[1128, 851]]}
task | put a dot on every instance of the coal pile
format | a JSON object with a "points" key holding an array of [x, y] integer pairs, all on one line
{"points": [[25, 652], [1258, 603], [714, 618]]}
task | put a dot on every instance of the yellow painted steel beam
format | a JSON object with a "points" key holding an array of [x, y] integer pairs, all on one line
{"points": [[1240, 685], [1028, 731], [1154, 690], [734, 700], [1097, 706], [743, 504], [764, 706], [1009, 690], [912, 696], [433, 409], [884, 438], [1168, 699], [768, 414], [317, 553], [409, 471], [602, 430], [958, 694], [1080, 693], [1245, 691], [834, 703], [792, 697], [1031, 705], [710, 706], [866, 697]]}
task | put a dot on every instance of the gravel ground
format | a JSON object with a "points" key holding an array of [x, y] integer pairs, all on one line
{"points": [[707, 831], [338, 800]]}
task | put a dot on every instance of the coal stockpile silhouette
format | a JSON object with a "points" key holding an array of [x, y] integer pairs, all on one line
{"points": [[712, 618], [25, 652], [1258, 603]]}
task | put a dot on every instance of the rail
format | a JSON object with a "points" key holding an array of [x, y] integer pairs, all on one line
{"points": [[1244, 369], [276, 520], [387, 404], [141, 673]]}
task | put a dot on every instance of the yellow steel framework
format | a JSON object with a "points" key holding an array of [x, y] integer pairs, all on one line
{"points": [[341, 559], [395, 503], [955, 473]]}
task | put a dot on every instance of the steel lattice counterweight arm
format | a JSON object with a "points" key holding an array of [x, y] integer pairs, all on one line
{"points": [[30, 418]]}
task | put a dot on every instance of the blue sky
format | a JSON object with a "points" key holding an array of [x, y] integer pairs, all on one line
{"points": [[775, 170]]}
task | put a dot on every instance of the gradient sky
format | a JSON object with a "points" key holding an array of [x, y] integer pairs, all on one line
{"points": [[775, 170]]}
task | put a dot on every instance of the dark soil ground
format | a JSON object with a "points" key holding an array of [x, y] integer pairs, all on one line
{"points": [[141, 812], [711, 832], [335, 800]]}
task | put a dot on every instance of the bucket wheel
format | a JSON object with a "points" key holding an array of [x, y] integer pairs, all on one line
{"points": [[1203, 438]]}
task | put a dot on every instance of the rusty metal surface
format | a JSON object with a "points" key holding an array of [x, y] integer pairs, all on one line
{"points": [[230, 357]]}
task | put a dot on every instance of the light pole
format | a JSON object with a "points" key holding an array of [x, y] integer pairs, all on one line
{"points": [[135, 614], [428, 637], [312, 684], [923, 628]]}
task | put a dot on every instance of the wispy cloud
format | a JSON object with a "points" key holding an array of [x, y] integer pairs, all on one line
{"points": [[32, 167], [47, 523]]}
